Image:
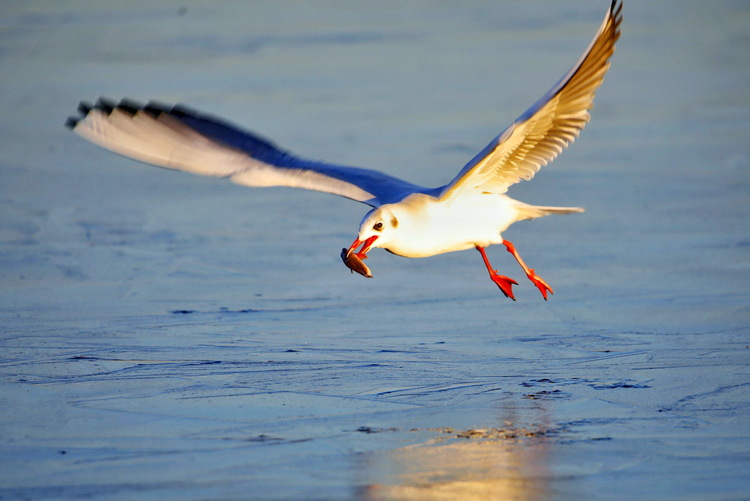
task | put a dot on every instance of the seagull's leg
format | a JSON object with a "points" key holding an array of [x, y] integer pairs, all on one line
{"points": [[541, 284], [504, 283]]}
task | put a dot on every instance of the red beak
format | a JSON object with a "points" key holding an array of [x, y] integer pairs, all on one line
{"points": [[362, 254], [353, 259]]}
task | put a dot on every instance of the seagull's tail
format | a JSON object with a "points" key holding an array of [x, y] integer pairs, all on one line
{"points": [[526, 211]]}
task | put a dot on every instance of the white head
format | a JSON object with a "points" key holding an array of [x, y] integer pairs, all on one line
{"points": [[381, 223], [378, 228]]}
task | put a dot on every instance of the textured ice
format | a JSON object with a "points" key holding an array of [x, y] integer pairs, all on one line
{"points": [[167, 336]]}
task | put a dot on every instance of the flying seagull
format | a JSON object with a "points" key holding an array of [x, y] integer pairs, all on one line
{"points": [[409, 220]]}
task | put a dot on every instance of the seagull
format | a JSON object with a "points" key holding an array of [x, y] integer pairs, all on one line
{"points": [[471, 211]]}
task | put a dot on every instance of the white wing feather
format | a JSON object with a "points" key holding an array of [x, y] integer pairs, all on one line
{"points": [[545, 129], [179, 138], [182, 139]]}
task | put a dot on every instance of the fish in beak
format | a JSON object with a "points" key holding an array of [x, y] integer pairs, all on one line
{"points": [[353, 259]]}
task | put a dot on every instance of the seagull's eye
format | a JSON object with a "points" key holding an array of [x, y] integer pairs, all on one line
{"points": [[378, 226]]}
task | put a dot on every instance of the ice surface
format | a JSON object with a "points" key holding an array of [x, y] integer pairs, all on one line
{"points": [[167, 336]]}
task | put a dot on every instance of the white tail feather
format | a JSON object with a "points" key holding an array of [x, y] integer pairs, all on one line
{"points": [[526, 211]]}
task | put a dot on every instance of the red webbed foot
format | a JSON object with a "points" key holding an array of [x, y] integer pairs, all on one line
{"points": [[540, 284], [505, 284]]}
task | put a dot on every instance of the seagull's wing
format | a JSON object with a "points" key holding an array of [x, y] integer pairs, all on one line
{"points": [[552, 123], [179, 138]]}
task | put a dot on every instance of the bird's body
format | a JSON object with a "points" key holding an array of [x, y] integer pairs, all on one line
{"points": [[429, 226], [422, 225], [409, 220]]}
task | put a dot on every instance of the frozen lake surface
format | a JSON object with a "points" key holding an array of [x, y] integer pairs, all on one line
{"points": [[166, 336]]}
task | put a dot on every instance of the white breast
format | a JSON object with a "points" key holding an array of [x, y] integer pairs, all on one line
{"points": [[428, 226]]}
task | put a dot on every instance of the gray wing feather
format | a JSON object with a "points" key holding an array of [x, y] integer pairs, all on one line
{"points": [[176, 137]]}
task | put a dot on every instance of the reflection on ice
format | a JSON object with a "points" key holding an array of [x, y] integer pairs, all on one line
{"points": [[492, 464]]}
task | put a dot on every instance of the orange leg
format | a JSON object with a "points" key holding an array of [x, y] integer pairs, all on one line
{"points": [[504, 283], [541, 284]]}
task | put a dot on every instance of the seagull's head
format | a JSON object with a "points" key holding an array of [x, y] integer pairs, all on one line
{"points": [[377, 229], [381, 223]]}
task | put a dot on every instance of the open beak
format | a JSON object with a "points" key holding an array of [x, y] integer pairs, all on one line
{"points": [[353, 259], [362, 254]]}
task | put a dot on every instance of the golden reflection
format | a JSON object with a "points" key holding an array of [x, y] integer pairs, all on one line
{"points": [[490, 464]]}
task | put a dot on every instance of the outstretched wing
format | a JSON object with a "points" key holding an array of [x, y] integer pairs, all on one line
{"points": [[552, 123], [177, 137]]}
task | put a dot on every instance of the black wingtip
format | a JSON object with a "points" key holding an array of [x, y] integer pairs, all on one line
{"points": [[71, 123], [129, 106], [106, 105], [84, 108], [616, 8], [155, 108]]}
